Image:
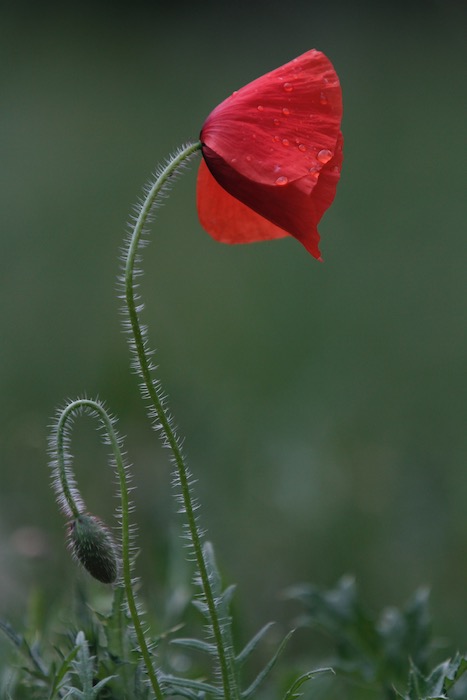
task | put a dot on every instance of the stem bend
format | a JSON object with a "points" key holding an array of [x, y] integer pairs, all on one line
{"points": [[72, 505]]}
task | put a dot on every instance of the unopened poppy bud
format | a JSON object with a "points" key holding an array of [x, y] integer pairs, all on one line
{"points": [[91, 542]]}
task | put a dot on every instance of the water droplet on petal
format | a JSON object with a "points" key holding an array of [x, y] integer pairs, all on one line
{"points": [[260, 108], [286, 111], [314, 172], [282, 180], [302, 147], [323, 100], [285, 142], [276, 138], [324, 156], [288, 87], [276, 122], [248, 158]]}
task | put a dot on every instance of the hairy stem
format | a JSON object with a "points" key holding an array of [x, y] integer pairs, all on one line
{"points": [[151, 391], [72, 504]]}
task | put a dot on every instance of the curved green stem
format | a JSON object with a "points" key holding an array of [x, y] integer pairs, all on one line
{"points": [[72, 504], [150, 388], [69, 495]]}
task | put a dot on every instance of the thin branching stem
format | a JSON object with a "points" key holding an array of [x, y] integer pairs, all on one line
{"points": [[72, 504], [151, 391]]}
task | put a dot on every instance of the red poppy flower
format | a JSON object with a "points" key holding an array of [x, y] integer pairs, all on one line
{"points": [[272, 155]]}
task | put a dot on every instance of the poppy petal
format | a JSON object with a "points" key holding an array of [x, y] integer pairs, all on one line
{"points": [[274, 146], [225, 218], [280, 125]]}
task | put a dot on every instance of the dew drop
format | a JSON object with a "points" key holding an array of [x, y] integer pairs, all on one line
{"points": [[282, 180], [324, 156], [248, 158], [302, 147], [276, 138], [314, 172], [323, 100], [288, 87], [276, 122], [260, 108], [286, 111], [285, 142]]}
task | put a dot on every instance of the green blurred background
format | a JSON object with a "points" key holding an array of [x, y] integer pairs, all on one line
{"points": [[323, 405]]}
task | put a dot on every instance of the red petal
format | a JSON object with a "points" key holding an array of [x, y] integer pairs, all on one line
{"points": [[280, 125], [276, 147], [233, 219], [225, 218], [323, 194]]}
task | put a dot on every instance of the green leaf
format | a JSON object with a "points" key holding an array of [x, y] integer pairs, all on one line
{"points": [[9, 632], [252, 644], [211, 566], [61, 672], [197, 644], [83, 667], [438, 682], [443, 677], [97, 687], [226, 596], [267, 669], [293, 691], [373, 650], [453, 670], [39, 670], [200, 605], [190, 694], [189, 684]]}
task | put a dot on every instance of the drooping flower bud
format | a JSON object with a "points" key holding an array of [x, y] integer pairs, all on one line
{"points": [[92, 544]]}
